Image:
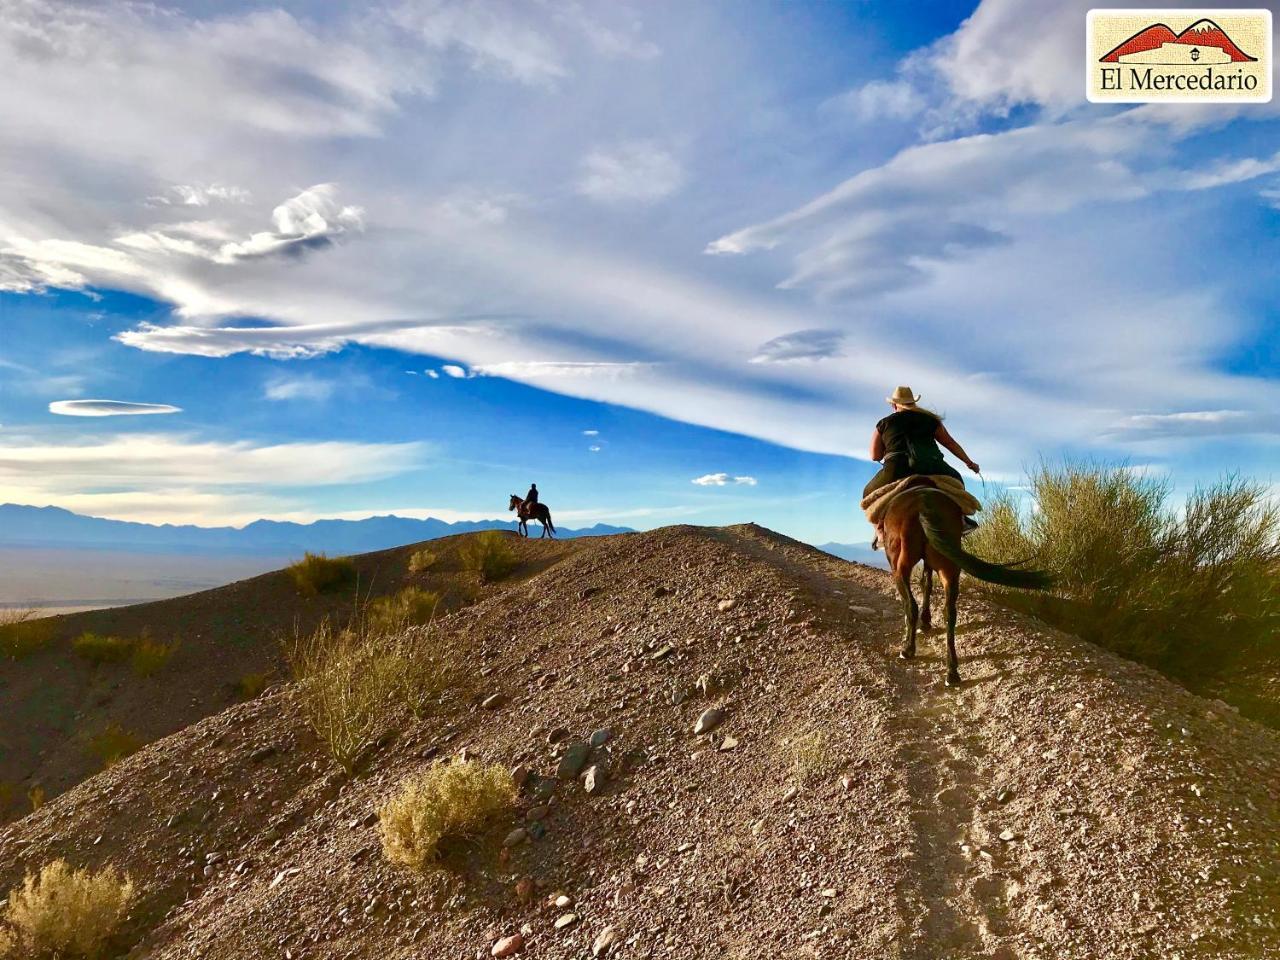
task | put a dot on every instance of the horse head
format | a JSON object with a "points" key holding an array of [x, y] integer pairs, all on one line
{"points": [[515, 502]]}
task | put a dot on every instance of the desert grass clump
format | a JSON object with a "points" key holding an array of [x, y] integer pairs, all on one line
{"points": [[489, 555], [410, 607], [422, 561], [149, 656], [353, 681], [447, 800], [61, 912], [23, 632], [251, 685], [811, 757], [1183, 590], [316, 573], [113, 744], [102, 648], [35, 797]]}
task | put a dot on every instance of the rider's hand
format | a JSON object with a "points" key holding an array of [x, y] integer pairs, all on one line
{"points": [[973, 466]]}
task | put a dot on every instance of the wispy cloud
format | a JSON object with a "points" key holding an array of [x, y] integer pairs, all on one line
{"points": [[723, 480], [634, 172], [801, 345], [299, 388], [535, 369], [108, 408]]}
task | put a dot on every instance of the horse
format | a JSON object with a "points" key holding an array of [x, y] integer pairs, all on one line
{"points": [[923, 523], [537, 511]]}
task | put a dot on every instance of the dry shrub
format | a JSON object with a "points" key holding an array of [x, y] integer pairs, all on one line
{"points": [[23, 632], [316, 573], [353, 681], [251, 685], [447, 800], [421, 561], [63, 912], [150, 656], [489, 555], [100, 648], [410, 607], [113, 744], [35, 796], [811, 757], [1183, 590]]}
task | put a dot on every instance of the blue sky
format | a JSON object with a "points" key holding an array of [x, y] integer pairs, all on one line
{"points": [[329, 260]]}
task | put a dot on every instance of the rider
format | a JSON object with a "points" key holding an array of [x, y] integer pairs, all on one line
{"points": [[531, 498], [906, 443]]}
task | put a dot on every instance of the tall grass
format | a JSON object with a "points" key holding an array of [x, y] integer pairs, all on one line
{"points": [[23, 632], [316, 573], [354, 681], [1180, 589], [489, 555], [412, 606], [61, 912], [455, 799]]}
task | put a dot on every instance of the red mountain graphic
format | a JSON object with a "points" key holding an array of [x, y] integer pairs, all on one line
{"points": [[1202, 33]]}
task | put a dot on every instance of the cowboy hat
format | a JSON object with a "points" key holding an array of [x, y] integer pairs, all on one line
{"points": [[903, 397]]}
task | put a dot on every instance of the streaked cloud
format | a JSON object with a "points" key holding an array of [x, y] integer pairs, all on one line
{"points": [[801, 345], [724, 480], [634, 172], [300, 388], [108, 408]]}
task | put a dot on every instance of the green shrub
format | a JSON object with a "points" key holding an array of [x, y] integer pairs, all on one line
{"points": [[62, 912], [316, 573], [421, 561], [100, 648], [1180, 590], [150, 656], [489, 555], [251, 685], [448, 800], [410, 607], [113, 744], [23, 632]]}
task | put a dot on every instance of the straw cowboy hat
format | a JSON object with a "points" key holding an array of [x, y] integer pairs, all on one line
{"points": [[903, 397]]}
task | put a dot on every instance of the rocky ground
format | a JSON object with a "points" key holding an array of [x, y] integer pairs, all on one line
{"points": [[766, 780]]}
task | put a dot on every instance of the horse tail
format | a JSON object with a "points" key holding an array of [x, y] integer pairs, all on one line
{"points": [[547, 512], [946, 541]]}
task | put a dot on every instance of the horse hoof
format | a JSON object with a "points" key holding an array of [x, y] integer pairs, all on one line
{"points": [[906, 654], [953, 679]]}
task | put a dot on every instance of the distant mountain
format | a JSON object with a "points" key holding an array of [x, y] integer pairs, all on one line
{"points": [[55, 527], [857, 552]]}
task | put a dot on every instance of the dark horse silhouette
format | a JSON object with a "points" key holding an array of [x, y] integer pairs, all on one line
{"points": [[533, 511], [923, 523]]}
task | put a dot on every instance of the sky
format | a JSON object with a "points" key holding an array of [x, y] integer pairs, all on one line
{"points": [[302, 260]]}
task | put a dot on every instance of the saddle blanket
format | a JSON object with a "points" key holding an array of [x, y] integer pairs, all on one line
{"points": [[876, 504]]}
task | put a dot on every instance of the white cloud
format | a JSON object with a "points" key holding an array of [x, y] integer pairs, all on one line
{"points": [[108, 408], [201, 195], [432, 374], [880, 99], [801, 345], [634, 172], [300, 388], [723, 480], [591, 433], [595, 448], [538, 369], [455, 371], [1197, 423]]}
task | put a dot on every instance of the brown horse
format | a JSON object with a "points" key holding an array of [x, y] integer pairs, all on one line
{"points": [[535, 511], [923, 523]]}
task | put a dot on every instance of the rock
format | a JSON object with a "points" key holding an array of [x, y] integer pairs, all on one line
{"points": [[519, 775], [661, 652], [524, 889], [534, 814], [791, 794], [608, 937], [556, 734], [724, 606], [543, 788], [574, 759], [1004, 796], [537, 829], [564, 901], [708, 720], [601, 737], [596, 777], [567, 920], [861, 611], [728, 743], [1008, 835], [846, 783], [516, 837], [494, 701], [263, 752], [508, 946]]}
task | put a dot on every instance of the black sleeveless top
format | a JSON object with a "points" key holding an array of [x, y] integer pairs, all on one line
{"points": [[910, 433]]}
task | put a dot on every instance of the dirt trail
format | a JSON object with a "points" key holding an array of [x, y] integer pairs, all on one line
{"points": [[1063, 803]]}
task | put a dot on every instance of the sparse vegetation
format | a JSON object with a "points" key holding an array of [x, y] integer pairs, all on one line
{"points": [[23, 632], [412, 606], [448, 800], [113, 744], [421, 561], [316, 573], [150, 656], [35, 796], [811, 757], [101, 648], [353, 680], [251, 685], [62, 912], [1180, 590], [489, 555]]}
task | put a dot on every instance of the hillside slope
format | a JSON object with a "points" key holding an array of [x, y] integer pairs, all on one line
{"points": [[1063, 803]]}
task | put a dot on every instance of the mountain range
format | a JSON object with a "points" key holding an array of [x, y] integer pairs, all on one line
{"points": [[1202, 33]]}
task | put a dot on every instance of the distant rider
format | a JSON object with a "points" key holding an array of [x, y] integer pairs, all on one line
{"points": [[531, 498]]}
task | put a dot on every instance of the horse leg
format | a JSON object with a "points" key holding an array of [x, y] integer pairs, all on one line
{"points": [[544, 529], [951, 584], [926, 614], [902, 580]]}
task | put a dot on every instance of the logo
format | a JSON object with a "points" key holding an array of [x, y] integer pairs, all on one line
{"points": [[1178, 56]]}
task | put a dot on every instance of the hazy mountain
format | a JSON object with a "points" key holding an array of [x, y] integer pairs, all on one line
{"points": [[857, 552]]}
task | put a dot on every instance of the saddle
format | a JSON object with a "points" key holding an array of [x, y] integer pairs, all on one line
{"points": [[876, 504]]}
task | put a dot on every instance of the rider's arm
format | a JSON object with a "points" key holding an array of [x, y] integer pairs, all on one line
{"points": [[877, 446], [948, 441]]}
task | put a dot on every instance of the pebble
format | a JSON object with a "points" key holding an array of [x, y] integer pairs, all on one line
{"points": [[524, 889], [537, 813], [1008, 835], [791, 794], [519, 775], [724, 606], [708, 720], [574, 759], [564, 901], [608, 937], [494, 701], [601, 737], [728, 743], [568, 920], [516, 837], [508, 946], [596, 777]]}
